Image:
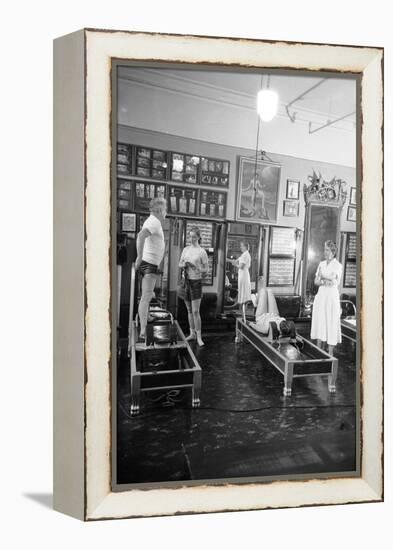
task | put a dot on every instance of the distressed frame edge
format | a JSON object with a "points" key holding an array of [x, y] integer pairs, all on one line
{"points": [[69, 489], [375, 485]]}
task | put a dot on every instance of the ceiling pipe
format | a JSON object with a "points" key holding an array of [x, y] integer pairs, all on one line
{"points": [[292, 117], [328, 123]]}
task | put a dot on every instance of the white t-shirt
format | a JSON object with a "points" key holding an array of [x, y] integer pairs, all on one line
{"points": [[197, 256], [154, 247]]}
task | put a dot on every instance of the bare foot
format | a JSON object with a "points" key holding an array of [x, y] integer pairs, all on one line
{"points": [[200, 341], [191, 336]]}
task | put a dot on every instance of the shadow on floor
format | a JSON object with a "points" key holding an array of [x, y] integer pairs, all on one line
{"points": [[45, 499]]}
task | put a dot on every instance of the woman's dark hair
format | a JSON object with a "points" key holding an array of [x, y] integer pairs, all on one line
{"points": [[332, 245], [197, 232], [288, 329]]}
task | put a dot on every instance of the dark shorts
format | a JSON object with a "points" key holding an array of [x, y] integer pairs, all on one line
{"points": [[193, 290], [146, 268]]}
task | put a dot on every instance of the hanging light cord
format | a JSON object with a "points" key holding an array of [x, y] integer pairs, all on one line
{"points": [[257, 143]]}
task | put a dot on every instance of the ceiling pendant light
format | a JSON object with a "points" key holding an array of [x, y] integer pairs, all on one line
{"points": [[267, 103]]}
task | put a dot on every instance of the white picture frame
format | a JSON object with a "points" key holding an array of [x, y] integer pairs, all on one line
{"points": [[82, 339]]}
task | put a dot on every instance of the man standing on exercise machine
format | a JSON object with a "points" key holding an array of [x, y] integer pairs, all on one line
{"points": [[150, 247]]}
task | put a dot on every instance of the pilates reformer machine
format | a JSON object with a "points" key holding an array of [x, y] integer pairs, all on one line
{"points": [[348, 323], [292, 357], [163, 360]]}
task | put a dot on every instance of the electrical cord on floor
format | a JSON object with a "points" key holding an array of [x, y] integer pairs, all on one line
{"points": [[218, 409], [169, 397]]}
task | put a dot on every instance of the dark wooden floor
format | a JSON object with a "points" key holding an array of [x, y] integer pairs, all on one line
{"points": [[310, 432]]}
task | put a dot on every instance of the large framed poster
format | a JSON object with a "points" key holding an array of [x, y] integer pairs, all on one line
{"points": [[257, 191]]}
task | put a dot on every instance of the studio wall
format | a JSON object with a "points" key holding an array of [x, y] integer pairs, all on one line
{"points": [[291, 168]]}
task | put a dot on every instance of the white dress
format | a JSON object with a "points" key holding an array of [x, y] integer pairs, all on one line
{"points": [[325, 323], [244, 283]]}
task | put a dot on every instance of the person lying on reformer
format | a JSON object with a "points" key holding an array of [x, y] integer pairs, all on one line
{"points": [[268, 321]]}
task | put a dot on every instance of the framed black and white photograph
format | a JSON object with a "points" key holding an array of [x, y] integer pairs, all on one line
{"points": [[257, 192], [239, 394], [352, 197], [128, 222], [291, 208], [351, 214], [293, 187]]}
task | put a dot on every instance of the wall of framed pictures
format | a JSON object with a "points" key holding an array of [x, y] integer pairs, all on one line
{"points": [[144, 192], [151, 163], [124, 194], [144, 173], [212, 204], [182, 201], [124, 159], [215, 172], [218, 170], [205, 187]]}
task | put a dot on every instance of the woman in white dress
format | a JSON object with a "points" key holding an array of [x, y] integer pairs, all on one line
{"points": [[243, 263], [325, 323]]}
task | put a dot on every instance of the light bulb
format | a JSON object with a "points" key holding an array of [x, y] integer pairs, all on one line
{"points": [[267, 104]]}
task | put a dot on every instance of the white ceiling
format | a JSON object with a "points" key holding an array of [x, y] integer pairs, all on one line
{"points": [[331, 99], [220, 107]]}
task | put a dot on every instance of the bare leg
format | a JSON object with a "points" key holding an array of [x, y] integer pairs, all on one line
{"points": [[271, 302], [319, 343], [333, 376], [195, 304], [331, 350], [244, 312], [192, 334], [262, 306], [148, 284]]}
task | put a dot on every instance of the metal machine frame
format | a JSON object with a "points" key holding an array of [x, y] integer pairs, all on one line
{"points": [[348, 328], [319, 364], [188, 373]]}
